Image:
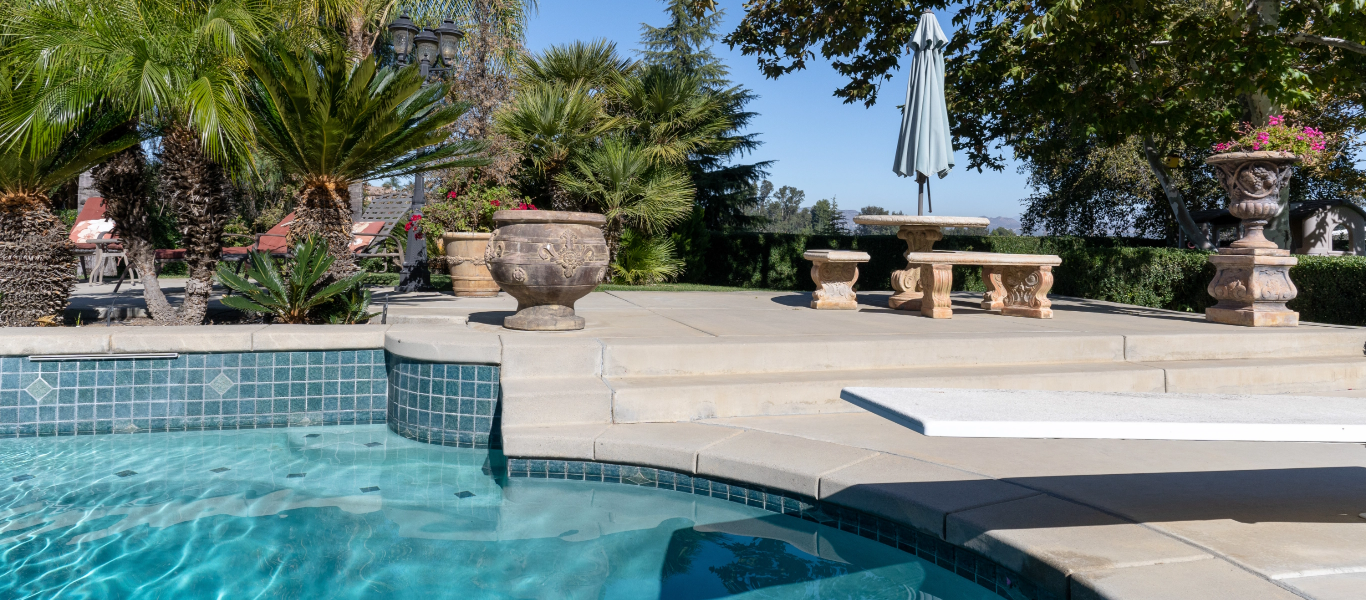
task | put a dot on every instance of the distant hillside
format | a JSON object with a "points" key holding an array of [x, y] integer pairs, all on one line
{"points": [[1010, 223]]}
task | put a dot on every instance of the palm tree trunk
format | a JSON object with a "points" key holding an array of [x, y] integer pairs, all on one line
{"points": [[122, 183], [198, 190], [324, 210], [37, 262]]}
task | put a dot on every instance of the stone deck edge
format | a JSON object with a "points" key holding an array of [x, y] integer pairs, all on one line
{"points": [[1041, 567]]}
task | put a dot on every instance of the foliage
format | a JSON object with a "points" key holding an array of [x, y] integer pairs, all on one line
{"points": [[328, 122], [780, 210], [629, 189], [296, 291], [1029, 75], [723, 185], [602, 133], [1332, 289], [37, 264], [826, 218], [1278, 136], [1084, 188], [1125, 270], [644, 260], [483, 80], [351, 307], [471, 211]]}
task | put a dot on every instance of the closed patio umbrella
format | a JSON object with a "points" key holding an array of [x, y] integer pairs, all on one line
{"points": [[925, 146]]}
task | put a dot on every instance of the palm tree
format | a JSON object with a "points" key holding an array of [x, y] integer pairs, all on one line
{"points": [[37, 263], [620, 180], [329, 122], [671, 115], [552, 124], [175, 68]]}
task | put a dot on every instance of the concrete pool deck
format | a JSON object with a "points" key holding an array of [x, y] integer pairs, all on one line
{"points": [[744, 386]]}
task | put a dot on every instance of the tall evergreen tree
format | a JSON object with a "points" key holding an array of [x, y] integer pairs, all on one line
{"points": [[724, 188]]}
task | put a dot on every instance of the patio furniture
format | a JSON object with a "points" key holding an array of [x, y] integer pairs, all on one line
{"points": [[1017, 284], [1115, 415], [378, 218], [834, 272], [920, 234]]}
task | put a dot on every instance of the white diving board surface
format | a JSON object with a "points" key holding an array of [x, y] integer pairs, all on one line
{"points": [[1111, 415]]}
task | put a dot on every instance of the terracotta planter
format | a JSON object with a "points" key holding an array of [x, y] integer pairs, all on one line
{"points": [[1252, 279], [470, 277], [547, 260]]}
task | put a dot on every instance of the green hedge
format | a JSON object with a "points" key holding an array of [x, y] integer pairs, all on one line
{"points": [[1128, 271]]}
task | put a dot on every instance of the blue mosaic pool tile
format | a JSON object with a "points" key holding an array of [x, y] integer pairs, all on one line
{"points": [[193, 391], [444, 404], [926, 545]]}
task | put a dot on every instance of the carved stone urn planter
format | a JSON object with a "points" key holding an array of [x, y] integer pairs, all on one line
{"points": [[547, 260], [1252, 282], [470, 277]]}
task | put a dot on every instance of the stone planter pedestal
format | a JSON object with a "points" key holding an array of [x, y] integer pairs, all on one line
{"points": [[834, 272], [547, 260], [920, 234], [1252, 279], [470, 277]]}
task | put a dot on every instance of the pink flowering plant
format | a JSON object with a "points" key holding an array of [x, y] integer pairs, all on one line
{"points": [[470, 210], [1279, 136]]}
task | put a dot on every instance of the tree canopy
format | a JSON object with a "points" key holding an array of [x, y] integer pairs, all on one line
{"points": [[1036, 76]]}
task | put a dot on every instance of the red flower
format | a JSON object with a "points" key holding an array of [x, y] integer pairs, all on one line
{"points": [[495, 203], [451, 194]]}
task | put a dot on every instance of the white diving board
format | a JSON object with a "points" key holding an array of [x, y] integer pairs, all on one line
{"points": [[1111, 415]]}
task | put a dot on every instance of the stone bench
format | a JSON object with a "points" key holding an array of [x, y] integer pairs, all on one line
{"points": [[1017, 284], [834, 272]]}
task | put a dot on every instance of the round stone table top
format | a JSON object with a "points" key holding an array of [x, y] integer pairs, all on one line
{"points": [[978, 222]]}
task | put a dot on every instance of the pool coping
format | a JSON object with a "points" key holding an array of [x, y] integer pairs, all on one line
{"points": [[960, 561], [1116, 562]]}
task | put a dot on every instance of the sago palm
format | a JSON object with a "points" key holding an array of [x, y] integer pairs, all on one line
{"points": [[330, 122], [37, 264], [175, 67]]}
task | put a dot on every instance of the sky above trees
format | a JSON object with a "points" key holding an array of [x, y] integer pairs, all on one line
{"points": [[820, 145]]}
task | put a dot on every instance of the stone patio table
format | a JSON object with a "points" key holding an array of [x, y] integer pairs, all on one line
{"points": [[920, 234], [834, 272]]}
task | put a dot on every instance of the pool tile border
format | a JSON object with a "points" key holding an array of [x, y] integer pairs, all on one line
{"points": [[212, 391], [960, 561], [447, 404]]}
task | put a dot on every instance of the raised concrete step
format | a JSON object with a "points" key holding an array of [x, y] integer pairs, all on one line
{"points": [[650, 357], [686, 398]]}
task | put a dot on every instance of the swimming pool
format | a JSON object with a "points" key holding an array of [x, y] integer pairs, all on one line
{"points": [[358, 512]]}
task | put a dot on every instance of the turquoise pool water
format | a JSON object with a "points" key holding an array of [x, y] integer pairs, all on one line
{"points": [[358, 512]]}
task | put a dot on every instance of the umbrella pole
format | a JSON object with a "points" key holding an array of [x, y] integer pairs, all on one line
{"points": [[920, 179]]}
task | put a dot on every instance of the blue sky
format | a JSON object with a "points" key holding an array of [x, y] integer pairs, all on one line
{"points": [[820, 145]]}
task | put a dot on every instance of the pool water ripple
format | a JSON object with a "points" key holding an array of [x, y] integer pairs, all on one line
{"points": [[443, 523]]}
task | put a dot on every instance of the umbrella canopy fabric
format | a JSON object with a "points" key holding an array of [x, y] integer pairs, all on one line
{"points": [[925, 145]]}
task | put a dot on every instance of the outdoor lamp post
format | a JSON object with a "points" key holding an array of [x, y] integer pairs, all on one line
{"points": [[435, 52]]}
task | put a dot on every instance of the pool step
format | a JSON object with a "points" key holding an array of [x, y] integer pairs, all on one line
{"points": [[653, 357], [687, 398]]}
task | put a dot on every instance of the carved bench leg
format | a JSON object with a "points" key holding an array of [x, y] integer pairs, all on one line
{"points": [[994, 299], [834, 285], [936, 281], [1027, 291]]}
